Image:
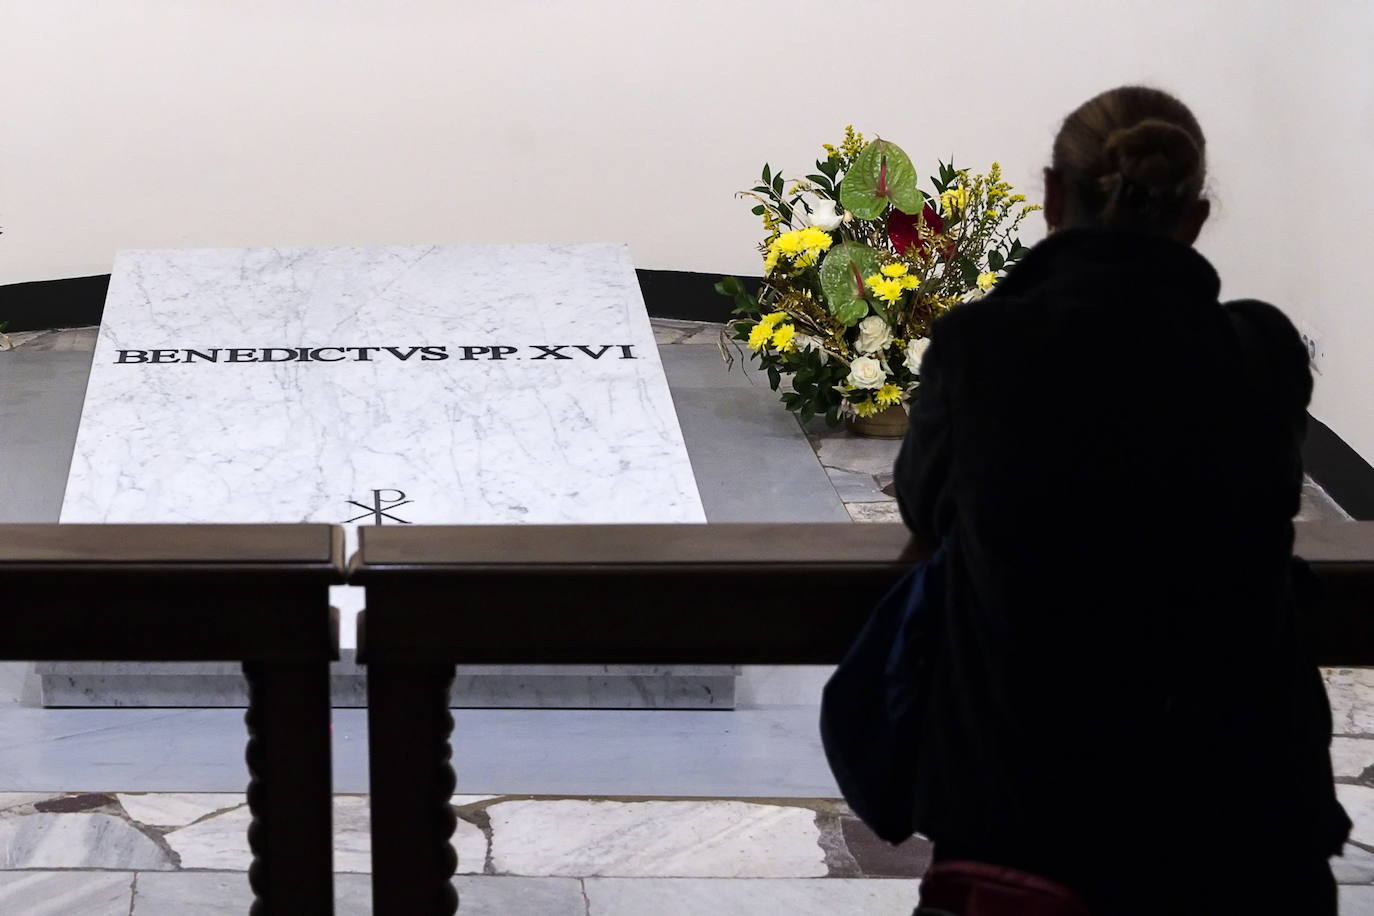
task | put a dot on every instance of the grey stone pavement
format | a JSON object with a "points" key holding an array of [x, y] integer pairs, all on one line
{"points": [[673, 813]]}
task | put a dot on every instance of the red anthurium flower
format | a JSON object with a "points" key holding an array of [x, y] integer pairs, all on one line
{"points": [[901, 228]]}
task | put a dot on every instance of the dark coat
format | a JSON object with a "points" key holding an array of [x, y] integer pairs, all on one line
{"points": [[1121, 697]]}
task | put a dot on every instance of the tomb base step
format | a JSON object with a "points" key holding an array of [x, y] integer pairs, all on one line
{"points": [[221, 684]]}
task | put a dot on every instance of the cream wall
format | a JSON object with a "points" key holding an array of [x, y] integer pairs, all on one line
{"points": [[138, 123]]}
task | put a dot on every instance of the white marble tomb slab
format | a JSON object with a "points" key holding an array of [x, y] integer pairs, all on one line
{"points": [[503, 384]]}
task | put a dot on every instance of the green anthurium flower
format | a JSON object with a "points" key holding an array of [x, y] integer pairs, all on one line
{"points": [[881, 175], [842, 280]]}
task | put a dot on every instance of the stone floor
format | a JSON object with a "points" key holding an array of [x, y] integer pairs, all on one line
{"points": [[101, 854], [68, 853], [516, 855]]}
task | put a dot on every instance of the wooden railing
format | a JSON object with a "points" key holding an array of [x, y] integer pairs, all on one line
{"points": [[258, 594], [717, 594], [439, 596]]}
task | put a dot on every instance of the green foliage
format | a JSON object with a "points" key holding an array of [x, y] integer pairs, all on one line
{"points": [[842, 280], [814, 381], [745, 303], [881, 175]]}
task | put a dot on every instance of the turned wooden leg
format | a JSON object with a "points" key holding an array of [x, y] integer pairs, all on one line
{"points": [[289, 788], [412, 781]]}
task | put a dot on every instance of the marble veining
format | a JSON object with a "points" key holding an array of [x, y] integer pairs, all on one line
{"points": [[655, 838], [77, 841], [177, 809], [581, 434], [221, 841]]}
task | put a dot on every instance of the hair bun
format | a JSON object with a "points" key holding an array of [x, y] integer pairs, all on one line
{"points": [[1156, 155]]}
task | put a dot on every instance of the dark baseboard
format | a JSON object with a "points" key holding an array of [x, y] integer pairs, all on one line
{"points": [[74, 303], [687, 295], [78, 302], [1342, 473]]}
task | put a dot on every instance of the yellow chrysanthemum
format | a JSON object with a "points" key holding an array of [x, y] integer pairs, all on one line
{"points": [[773, 319], [783, 337], [803, 247], [888, 395], [909, 281], [814, 239], [885, 288], [986, 280], [865, 408], [894, 270], [759, 336]]}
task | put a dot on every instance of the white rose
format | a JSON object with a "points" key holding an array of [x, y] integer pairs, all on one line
{"points": [[825, 216], [874, 335], [806, 342], [915, 349], [866, 372]]}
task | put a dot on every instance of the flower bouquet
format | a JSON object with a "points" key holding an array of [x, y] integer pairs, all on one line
{"points": [[858, 261]]}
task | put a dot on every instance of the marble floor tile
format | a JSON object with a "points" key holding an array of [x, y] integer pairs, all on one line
{"points": [[64, 893], [751, 897], [837, 448], [1357, 901], [478, 896], [10, 801], [471, 845], [1351, 691], [705, 334], [663, 335], [77, 841], [855, 487], [67, 340], [193, 894], [462, 801], [167, 809], [1356, 866], [1351, 758], [654, 838], [1359, 804], [219, 842], [352, 834], [228, 894], [874, 512], [353, 839]]}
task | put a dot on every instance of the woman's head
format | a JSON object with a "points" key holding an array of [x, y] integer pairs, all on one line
{"points": [[1131, 158]]}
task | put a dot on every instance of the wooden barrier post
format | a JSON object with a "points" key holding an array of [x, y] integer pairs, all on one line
{"points": [[252, 593]]}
